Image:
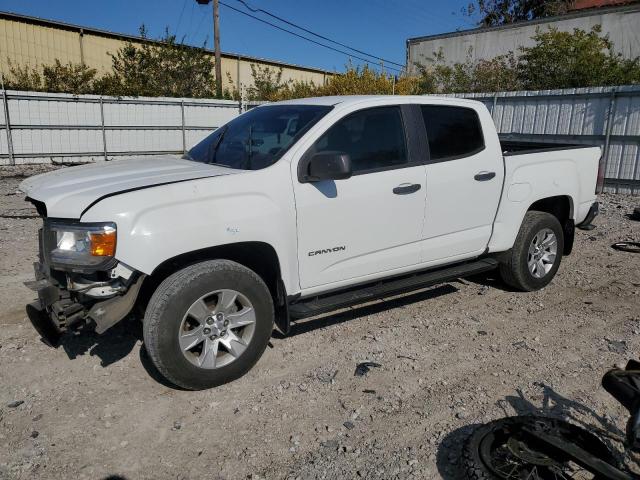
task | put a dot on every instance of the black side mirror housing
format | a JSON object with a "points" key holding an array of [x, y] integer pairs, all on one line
{"points": [[328, 166]]}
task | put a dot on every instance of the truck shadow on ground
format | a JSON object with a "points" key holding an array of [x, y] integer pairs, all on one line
{"points": [[353, 313], [120, 340], [552, 404], [110, 347], [489, 279]]}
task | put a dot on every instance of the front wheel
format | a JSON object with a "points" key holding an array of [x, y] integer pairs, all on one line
{"points": [[536, 254], [208, 324]]}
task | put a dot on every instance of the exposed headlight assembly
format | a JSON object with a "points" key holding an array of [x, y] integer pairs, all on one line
{"points": [[80, 246]]}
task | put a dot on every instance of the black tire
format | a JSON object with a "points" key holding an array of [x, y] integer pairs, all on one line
{"points": [[169, 304], [514, 270], [493, 445]]}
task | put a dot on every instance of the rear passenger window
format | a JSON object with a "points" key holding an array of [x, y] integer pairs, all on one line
{"points": [[453, 132], [373, 138]]}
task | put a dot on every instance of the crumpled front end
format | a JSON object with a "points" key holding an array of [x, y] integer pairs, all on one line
{"points": [[70, 297]]}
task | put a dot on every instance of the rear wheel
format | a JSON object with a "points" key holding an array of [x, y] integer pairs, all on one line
{"points": [[504, 449], [536, 254], [208, 324]]}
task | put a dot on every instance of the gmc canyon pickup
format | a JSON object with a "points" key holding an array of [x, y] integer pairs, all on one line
{"points": [[295, 209]]}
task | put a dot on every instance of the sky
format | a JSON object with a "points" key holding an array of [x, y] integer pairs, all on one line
{"points": [[378, 27]]}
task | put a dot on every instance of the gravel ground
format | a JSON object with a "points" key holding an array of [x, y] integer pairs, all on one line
{"points": [[451, 357]]}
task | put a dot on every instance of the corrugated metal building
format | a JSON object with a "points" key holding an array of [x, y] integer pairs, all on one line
{"points": [[34, 41], [619, 22]]}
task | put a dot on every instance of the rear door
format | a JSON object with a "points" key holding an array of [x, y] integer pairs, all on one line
{"points": [[464, 182], [351, 229]]}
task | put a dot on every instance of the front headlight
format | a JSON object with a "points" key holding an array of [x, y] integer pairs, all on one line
{"points": [[88, 245]]}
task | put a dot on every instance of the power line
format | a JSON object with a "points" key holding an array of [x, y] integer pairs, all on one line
{"points": [[318, 35], [197, 30], [428, 16], [302, 36], [190, 20], [180, 17]]}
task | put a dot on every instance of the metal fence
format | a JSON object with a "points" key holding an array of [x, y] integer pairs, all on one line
{"points": [[44, 128], [605, 116]]}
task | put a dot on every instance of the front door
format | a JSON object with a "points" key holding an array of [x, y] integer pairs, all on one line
{"points": [[372, 222]]}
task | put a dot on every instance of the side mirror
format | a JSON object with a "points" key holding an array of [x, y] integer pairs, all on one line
{"points": [[329, 166]]}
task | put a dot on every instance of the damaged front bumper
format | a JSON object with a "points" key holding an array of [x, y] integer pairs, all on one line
{"points": [[80, 301]]}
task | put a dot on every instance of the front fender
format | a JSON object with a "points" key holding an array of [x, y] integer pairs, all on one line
{"points": [[159, 223]]}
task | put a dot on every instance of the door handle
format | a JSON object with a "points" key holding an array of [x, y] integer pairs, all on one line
{"points": [[406, 188], [484, 176]]}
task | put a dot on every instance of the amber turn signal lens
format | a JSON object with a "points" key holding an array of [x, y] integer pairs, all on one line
{"points": [[103, 244]]}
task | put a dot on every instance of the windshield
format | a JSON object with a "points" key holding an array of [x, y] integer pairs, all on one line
{"points": [[258, 138]]}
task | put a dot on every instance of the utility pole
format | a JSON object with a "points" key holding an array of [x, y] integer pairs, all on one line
{"points": [[216, 46], [216, 43]]}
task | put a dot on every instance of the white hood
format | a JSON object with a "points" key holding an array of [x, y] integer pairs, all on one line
{"points": [[69, 191]]}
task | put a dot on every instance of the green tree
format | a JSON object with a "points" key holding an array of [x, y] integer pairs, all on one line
{"points": [[490, 13], [299, 89], [168, 68], [574, 59], [74, 78], [23, 78], [493, 75], [267, 83], [359, 81]]}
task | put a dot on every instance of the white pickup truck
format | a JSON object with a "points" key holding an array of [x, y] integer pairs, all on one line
{"points": [[294, 209]]}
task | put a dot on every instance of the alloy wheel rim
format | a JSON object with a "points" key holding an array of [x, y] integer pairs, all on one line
{"points": [[217, 329], [542, 253]]}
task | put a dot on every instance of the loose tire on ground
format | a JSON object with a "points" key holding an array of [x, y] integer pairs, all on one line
{"points": [[514, 269], [499, 450], [170, 310]]}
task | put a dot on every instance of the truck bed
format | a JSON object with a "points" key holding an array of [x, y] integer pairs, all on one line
{"points": [[537, 170], [517, 147]]}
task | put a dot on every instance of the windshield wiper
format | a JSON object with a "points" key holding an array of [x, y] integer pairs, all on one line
{"points": [[215, 148]]}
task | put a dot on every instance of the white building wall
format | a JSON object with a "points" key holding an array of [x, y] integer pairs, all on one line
{"points": [[622, 24]]}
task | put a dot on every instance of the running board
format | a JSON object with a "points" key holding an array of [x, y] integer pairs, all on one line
{"points": [[333, 301]]}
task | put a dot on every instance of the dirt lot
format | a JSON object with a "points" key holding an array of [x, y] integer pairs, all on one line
{"points": [[452, 356]]}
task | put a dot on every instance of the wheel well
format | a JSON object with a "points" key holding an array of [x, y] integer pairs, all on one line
{"points": [[257, 256], [560, 207]]}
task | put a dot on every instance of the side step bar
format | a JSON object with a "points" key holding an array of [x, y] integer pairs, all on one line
{"points": [[312, 306]]}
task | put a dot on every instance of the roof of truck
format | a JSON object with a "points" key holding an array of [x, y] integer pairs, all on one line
{"points": [[350, 99]]}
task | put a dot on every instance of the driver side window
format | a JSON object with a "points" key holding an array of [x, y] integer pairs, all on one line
{"points": [[374, 139]]}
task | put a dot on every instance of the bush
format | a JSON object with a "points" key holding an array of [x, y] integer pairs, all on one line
{"points": [[167, 69], [73, 78], [556, 60], [172, 69], [572, 60], [268, 84], [358, 81]]}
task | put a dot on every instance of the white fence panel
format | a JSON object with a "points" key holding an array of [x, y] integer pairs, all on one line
{"points": [[85, 128], [66, 128]]}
